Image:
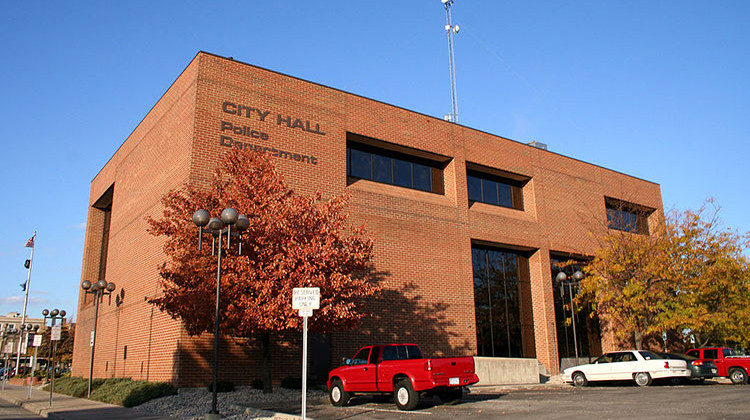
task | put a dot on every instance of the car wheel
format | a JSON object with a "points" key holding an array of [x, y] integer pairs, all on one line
{"points": [[579, 379], [337, 395], [642, 379], [701, 381], [738, 376], [405, 396], [451, 396]]}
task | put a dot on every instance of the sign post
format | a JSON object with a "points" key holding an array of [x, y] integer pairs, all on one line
{"points": [[55, 336], [305, 300], [36, 343]]}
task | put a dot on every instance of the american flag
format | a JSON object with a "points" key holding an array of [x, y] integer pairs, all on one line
{"points": [[30, 243]]}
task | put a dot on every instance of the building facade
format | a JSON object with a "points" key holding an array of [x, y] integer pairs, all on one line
{"points": [[469, 228]]}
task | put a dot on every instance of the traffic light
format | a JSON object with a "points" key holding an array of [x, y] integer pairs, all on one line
{"points": [[27, 264]]}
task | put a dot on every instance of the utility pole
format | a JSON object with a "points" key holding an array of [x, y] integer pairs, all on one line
{"points": [[451, 29]]}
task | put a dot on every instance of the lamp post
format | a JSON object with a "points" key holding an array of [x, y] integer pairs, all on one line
{"points": [[99, 289], [28, 328], [562, 278], [216, 226], [7, 334], [54, 315]]}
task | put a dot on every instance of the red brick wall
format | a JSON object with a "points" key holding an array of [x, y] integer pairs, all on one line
{"points": [[154, 159], [422, 240]]}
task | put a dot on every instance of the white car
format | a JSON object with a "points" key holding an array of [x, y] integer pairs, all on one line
{"points": [[640, 366]]}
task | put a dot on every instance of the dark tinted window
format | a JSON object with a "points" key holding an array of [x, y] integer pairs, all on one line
{"points": [[627, 217], [494, 190], [475, 188], [413, 352], [503, 191], [402, 173], [381, 169], [390, 353], [422, 177], [374, 355], [694, 353], [489, 192], [502, 303], [727, 352], [710, 354], [393, 168], [361, 357], [360, 165], [401, 352], [648, 355]]}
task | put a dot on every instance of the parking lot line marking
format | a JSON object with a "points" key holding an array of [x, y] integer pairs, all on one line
{"points": [[392, 411]]}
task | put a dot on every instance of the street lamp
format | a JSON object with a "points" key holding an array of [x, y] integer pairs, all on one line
{"points": [[54, 315], [215, 225], [7, 334], [99, 289], [28, 328], [562, 278]]}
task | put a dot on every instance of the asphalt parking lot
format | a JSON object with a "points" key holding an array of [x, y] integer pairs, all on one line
{"points": [[709, 401]]}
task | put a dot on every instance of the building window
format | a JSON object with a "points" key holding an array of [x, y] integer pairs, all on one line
{"points": [[393, 166], [586, 336], [502, 303], [627, 217], [496, 187]]}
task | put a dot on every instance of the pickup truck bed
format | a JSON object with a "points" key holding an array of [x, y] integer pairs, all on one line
{"points": [[401, 371]]}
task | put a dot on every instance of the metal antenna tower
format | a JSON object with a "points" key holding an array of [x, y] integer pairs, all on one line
{"points": [[451, 29]]}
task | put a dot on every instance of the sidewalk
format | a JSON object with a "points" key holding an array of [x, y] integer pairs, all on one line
{"points": [[65, 407]]}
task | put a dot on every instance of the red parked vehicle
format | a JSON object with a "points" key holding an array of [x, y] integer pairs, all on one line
{"points": [[727, 363], [399, 370]]}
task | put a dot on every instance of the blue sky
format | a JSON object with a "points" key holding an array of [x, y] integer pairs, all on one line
{"points": [[658, 90]]}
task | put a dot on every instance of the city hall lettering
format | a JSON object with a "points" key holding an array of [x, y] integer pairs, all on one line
{"points": [[283, 120], [242, 130]]}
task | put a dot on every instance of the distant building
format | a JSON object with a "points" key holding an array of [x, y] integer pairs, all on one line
{"points": [[470, 228], [12, 321]]}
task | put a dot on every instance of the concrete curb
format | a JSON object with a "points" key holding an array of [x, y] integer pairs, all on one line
{"points": [[257, 412]]}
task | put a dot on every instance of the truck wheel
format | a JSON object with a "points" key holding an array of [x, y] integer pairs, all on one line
{"points": [[579, 379], [642, 379], [451, 396], [405, 396], [337, 395], [738, 376]]}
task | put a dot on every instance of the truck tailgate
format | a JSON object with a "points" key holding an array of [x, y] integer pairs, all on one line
{"points": [[453, 371]]}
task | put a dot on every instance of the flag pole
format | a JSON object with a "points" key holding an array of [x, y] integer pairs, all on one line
{"points": [[25, 301]]}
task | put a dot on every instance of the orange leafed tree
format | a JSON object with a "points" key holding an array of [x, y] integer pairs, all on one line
{"points": [[293, 241]]}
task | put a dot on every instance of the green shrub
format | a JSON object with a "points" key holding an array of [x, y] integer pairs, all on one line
{"points": [[291, 382], [120, 391], [75, 386], [257, 384], [221, 386]]}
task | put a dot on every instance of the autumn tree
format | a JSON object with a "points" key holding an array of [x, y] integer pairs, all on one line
{"points": [[292, 241], [627, 284], [711, 279], [688, 276]]}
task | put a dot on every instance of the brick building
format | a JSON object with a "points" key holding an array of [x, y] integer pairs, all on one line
{"points": [[469, 227]]}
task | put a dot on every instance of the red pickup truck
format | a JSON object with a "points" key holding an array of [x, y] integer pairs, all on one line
{"points": [[728, 364], [401, 371]]}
